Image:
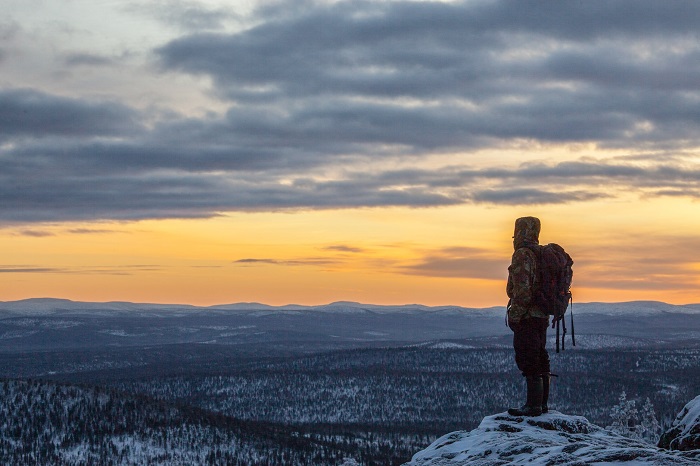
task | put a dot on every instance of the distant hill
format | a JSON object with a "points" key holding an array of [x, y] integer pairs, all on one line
{"points": [[53, 306], [50, 324]]}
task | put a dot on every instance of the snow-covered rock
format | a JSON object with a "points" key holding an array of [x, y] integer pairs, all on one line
{"points": [[550, 439], [684, 433]]}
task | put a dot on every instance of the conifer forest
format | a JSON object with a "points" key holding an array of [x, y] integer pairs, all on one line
{"points": [[373, 403]]}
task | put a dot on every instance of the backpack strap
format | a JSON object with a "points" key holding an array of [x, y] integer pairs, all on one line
{"points": [[573, 335], [537, 251]]}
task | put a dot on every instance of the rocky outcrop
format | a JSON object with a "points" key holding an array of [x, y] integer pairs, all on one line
{"points": [[684, 433], [550, 439]]}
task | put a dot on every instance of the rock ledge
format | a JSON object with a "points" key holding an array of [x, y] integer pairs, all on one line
{"points": [[684, 433], [551, 439]]}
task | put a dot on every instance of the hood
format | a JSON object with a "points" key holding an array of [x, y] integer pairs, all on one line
{"points": [[527, 232]]}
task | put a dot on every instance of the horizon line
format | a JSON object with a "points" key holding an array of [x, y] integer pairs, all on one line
{"points": [[339, 302]]}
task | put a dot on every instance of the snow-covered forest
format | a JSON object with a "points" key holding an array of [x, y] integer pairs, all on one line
{"points": [[92, 387], [46, 423], [375, 405], [431, 388]]}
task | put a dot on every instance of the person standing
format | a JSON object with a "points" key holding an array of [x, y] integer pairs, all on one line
{"points": [[525, 318]]}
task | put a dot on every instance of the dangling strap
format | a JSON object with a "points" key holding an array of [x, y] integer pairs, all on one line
{"points": [[557, 324], [563, 335], [573, 335]]}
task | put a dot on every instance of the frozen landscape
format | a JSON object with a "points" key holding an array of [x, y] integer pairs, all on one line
{"points": [[125, 383]]}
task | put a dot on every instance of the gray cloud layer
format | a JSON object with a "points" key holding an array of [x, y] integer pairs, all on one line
{"points": [[568, 71], [30, 114], [313, 87]]}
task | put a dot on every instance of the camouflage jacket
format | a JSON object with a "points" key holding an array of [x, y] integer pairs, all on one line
{"points": [[522, 280]]}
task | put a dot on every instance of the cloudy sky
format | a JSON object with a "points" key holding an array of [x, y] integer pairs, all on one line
{"points": [[209, 151]]}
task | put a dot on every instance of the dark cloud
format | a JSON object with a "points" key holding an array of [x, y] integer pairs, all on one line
{"points": [[656, 262], [256, 261], [35, 233], [107, 270], [105, 183], [592, 71], [460, 262], [122, 198], [343, 248], [315, 88], [28, 113], [30, 270], [691, 193], [531, 196], [313, 261], [90, 231], [614, 263]]}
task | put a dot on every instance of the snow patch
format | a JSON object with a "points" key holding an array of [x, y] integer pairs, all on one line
{"points": [[57, 324], [550, 439], [121, 333], [18, 334], [442, 345]]}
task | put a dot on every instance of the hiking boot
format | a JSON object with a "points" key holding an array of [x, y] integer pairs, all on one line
{"points": [[533, 405], [545, 393]]}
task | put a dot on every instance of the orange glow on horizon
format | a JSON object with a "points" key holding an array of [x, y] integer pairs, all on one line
{"points": [[446, 256]]}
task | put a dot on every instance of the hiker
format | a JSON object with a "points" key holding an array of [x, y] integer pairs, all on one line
{"points": [[527, 320]]}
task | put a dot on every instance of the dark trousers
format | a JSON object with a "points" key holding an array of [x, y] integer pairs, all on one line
{"points": [[529, 341]]}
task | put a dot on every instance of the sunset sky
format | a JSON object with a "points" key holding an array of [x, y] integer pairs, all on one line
{"points": [[295, 151]]}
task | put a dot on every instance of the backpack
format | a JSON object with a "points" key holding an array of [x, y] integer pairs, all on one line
{"points": [[552, 293]]}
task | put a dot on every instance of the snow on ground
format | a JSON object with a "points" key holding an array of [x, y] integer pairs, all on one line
{"points": [[442, 345], [684, 433], [121, 333], [586, 341], [17, 334], [550, 439]]}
